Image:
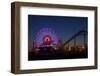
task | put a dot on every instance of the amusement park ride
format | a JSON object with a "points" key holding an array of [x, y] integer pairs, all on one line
{"points": [[49, 49]]}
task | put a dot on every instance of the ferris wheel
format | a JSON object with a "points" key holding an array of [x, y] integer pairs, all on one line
{"points": [[46, 36]]}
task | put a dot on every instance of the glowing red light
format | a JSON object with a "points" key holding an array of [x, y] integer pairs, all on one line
{"points": [[47, 40]]}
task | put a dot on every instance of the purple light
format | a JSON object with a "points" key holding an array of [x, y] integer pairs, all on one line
{"points": [[46, 31]]}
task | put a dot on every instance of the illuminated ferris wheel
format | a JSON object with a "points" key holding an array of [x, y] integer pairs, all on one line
{"points": [[46, 36]]}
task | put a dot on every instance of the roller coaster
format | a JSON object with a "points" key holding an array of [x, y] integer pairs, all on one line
{"points": [[66, 51], [76, 46]]}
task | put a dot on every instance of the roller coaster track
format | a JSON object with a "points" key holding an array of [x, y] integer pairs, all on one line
{"points": [[81, 32]]}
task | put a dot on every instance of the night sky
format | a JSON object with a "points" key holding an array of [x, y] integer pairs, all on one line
{"points": [[64, 26]]}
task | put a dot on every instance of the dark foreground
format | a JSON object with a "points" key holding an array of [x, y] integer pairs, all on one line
{"points": [[48, 53]]}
